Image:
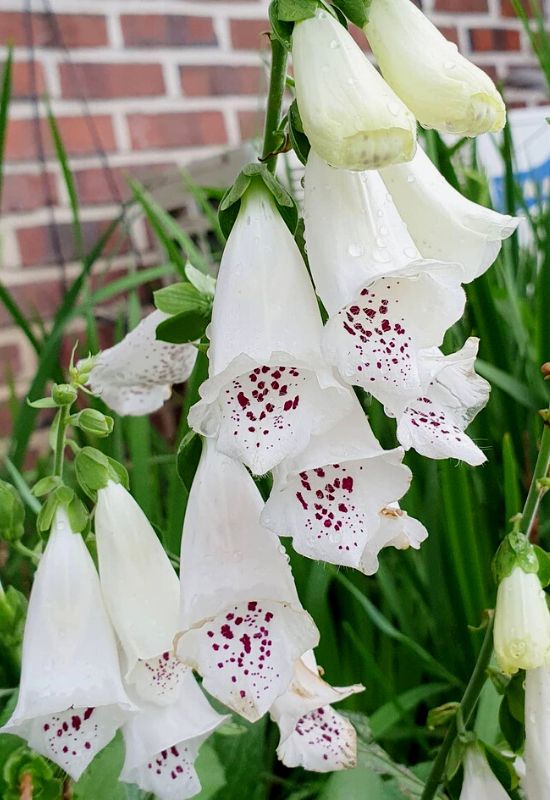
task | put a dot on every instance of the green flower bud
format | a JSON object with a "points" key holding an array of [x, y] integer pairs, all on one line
{"points": [[93, 422], [63, 394], [12, 513], [94, 470]]}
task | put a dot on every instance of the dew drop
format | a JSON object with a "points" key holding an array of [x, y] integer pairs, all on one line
{"points": [[394, 108], [379, 213], [334, 45], [355, 250], [410, 179], [410, 252]]}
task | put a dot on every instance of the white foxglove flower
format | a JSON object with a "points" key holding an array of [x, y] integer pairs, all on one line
{"points": [[142, 594], [442, 88], [350, 115], [269, 388], [162, 743], [386, 302], [522, 623], [71, 699], [313, 735], [243, 625], [479, 781], [329, 497], [434, 423], [135, 376], [536, 780], [444, 224], [395, 529]]}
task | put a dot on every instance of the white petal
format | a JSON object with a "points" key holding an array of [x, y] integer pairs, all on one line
{"points": [[162, 743], [323, 741], [70, 665], [237, 584], [443, 223], [331, 506], [351, 116], [135, 376], [375, 340], [395, 529], [443, 89], [141, 591], [479, 781], [537, 733]]}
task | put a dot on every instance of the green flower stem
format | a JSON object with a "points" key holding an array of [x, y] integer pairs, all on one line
{"points": [[277, 81], [536, 493], [62, 422], [466, 709], [478, 678]]}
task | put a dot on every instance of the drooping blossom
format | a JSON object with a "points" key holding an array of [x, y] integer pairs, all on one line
{"points": [[522, 623], [434, 423], [135, 376], [243, 625], [269, 388], [443, 223], [71, 698], [312, 734], [142, 593], [333, 497], [386, 303], [352, 118], [442, 88], [479, 781], [162, 744], [536, 780]]}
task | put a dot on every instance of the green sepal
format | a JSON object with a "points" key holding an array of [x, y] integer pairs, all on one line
{"points": [[92, 421], [357, 11], [282, 31], [63, 394], [544, 565], [502, 767], [231, 201], [180, 298], [78, 515], [12, 513], [46, 485], [64, 497], [298, 139], [94, 470], [44, 402], [205, 284], [455, 758], [188, 326], [515, 550], [512, 711], [296, 10], [187, 458]]}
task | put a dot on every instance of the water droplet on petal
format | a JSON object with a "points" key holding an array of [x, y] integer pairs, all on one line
{"points": [[449, 65], [334, 44], [394, 108], [410, 179], [410, 252], [379, 213], [355, 250], [380, 242]]}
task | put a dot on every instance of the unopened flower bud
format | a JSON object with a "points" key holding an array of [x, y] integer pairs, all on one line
{"points": [[522, 622], [12, 513], [63, 394], [94, 422]]}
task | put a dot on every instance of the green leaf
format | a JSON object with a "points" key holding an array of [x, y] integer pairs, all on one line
{"points": [[189, 326], [355, 10], [296, 10], [510, 385], [210, 771], [12, 513], [5, 97], [44, 402], [101, 779], [179, 298], [544, 565], [188, 456], [384, 718], [23, 761], [358, 784], [501, 766], [298, 139], [205, 284], [282, 31], [46, 485]]}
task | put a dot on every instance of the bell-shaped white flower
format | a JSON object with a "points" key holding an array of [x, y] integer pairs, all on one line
{"points": [[444, 224], [386, 302], [536, 780], [313, 735], [243, 625], [162, 743], [71, 699], [141, 592], [329, 498], [350, 115], [479, 781], [136, 375], [522, 623], [442, 88], [434, 423], [269, 388]]}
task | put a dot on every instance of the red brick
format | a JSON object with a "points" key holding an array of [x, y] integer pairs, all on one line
{"points": [[249, 34], [36, 300], [94, 186], [10, 360], [37, 244], [449, 33], [250, 124], [166, 30], [72, 30], [24, 84], [220, 80], [27, 192], [176, 129], [111, 80], [484, 40], [75, 132], [461, 6], [507, 8]]}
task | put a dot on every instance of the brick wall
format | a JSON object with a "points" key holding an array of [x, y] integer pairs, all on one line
{"points": [[167, 82]]}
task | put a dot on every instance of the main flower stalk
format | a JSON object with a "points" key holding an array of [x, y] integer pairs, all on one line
{"points": [[277, 80]]}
